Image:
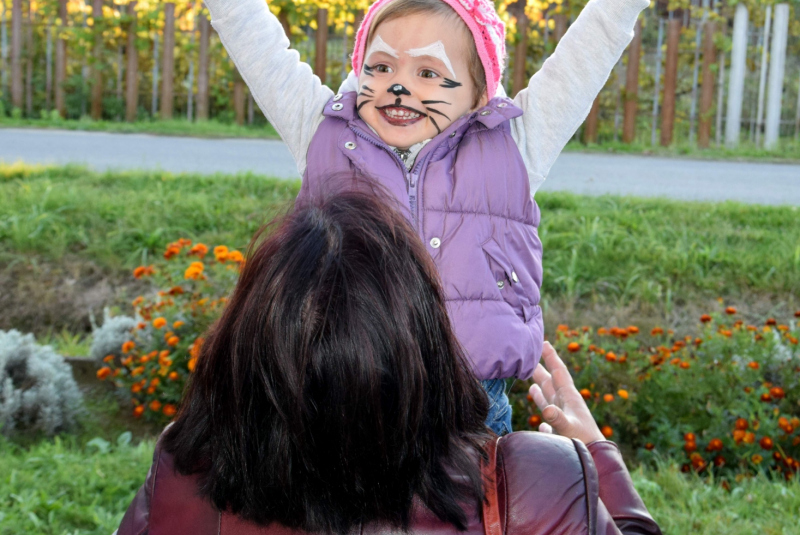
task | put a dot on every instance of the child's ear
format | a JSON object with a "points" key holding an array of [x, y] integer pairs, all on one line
{"points": [[484, 100]]}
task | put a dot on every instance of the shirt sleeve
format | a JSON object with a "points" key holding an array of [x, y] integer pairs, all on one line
{"points": [[559, 96], [290, 95]]}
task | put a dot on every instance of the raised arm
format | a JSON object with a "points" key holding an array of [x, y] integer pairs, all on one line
{"points": [[559, 96], [289, 94]]}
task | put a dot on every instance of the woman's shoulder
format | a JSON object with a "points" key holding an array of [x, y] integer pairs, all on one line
{"points": [[546, 484]]}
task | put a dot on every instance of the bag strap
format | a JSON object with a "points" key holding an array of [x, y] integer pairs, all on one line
{"points": [[491, 509]]}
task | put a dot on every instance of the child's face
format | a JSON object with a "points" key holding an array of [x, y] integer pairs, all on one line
{"points": [[415, 80]]}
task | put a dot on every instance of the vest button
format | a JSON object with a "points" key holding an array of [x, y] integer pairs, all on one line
{"points": [[436, 243], [487, 112], [514, 276], [501, 284], [502, 105], [350, 145], [453, 134], [337, 107], [338, 97]]}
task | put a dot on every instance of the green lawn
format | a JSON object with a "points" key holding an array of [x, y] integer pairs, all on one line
{"points": [[83, 485], [612, 252], [175, 127]]}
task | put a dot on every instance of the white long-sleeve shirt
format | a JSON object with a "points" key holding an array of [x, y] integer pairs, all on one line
{"points": [[555, 103]]}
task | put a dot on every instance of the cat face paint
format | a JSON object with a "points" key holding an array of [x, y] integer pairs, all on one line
{"points": [[413, 95]]}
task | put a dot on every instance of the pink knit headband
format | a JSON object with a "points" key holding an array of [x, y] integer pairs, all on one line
{"points": [[487, 29]]}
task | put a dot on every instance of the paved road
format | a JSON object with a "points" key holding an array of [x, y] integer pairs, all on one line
{"points": [[761, 183]]}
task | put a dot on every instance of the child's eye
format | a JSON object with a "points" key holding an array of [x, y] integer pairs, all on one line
{"points": [[427, 73], [383, 68]]}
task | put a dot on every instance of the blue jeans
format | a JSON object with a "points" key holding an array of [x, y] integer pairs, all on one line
{"points": [[499, 419]]}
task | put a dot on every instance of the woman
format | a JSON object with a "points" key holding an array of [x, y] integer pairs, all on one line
{"points": [[331, 396]]}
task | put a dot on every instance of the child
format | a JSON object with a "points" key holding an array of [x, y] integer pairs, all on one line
{"points": [[423, 112]]}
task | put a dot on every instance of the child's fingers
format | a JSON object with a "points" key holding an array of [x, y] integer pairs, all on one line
{"points": [[545, 428], [559, 373]]}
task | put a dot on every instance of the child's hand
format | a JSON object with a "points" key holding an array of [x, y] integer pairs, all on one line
{"points": [[563, 408]]}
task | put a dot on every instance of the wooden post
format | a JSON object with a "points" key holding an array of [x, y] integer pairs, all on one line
{"points": [[670, 80], [202, 69], [168, 67], [132, 70], [16, 54], [61, 60], [97, 67], [707, 91], [733, 124], [590, 128], [561, 22], [238, 96], [283, 17], [320, 60], [29, 56], [632, 85], [520, 79], [777, 69], [762, 75]]}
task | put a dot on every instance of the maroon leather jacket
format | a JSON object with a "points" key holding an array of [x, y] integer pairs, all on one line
{"points": [[545, 485]]}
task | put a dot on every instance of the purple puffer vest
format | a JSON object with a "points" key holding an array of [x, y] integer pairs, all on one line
{"points": [[469, 198]]}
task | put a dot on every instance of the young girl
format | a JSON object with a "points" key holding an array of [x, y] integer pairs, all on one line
{"points": [[423, 112]]}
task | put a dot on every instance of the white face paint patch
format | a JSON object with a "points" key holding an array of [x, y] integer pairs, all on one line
{"points": [[435, 50], [379, 45]]}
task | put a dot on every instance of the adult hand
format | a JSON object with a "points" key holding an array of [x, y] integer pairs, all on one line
{"points": [[563, 408]]}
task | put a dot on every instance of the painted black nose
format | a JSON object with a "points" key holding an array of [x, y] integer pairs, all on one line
{"points": [[398, 90]]}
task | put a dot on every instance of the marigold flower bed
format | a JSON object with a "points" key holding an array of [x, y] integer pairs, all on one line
{"points": [[727, 401]]}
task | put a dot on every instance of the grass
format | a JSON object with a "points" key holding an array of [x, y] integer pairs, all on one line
{"points": [[82, 485], [175, 127], [788, 151], [612, 250]]}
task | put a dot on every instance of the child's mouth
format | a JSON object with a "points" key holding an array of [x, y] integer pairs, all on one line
{"points": [[401, 115]]}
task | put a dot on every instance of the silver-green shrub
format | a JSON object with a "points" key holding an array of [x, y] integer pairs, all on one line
{"points": [[109, 337], [37, 390]]}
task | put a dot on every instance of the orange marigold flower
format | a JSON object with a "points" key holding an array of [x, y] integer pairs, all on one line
{"points": [[611, 356], [137, 371], [172, 251], [741, 423], [705, 318], [191, 364], [194, 350], [199, 250], [749, 437], [169, 410], [562, 328], [138, 411], [534, 420], [173, 376], [623, 359], [139, 272], [607, 431], [128, 346], [586, 393], [103, 373], [797, 314], [795, 422], [756, 458], [676, 361], [698, 342], [178, 324], [602, 331], [608, 398], [714, 444], [766, 398], [730, 311], [108, 358], [689, 437], [771, 321], [649, 446], [235, 256], [753, 364], [685, 364], [633, 329], [175, 290], [783, 328], [738, 435], [172, 341], [158, 323], [573, 347], [690, 446], [194, 271], [136, 388], [777, 392], [783, 422], [765, 443], [719, 461], [622, 393], [656, 331], [221, 253], [155, 405], [793, 340]]}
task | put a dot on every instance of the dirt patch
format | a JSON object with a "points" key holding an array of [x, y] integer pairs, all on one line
{"points": [[40, 297]]}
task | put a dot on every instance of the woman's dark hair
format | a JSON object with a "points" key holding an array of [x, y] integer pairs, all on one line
{"points": [[332, 390]]}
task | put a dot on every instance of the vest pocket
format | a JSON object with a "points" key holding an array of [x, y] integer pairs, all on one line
{"points": [[506, 280]]}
